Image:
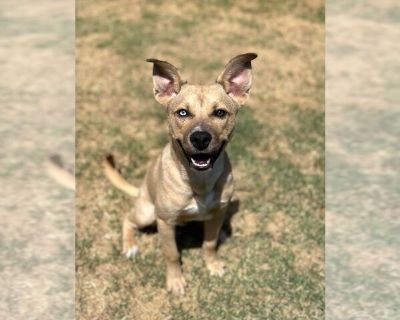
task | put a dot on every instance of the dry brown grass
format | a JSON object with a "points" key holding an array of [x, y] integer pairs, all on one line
{"points": [[117, 113], [36, 237]]}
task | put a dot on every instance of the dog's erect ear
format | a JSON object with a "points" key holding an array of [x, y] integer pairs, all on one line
{"points": [[236, 77], [166, 79]]}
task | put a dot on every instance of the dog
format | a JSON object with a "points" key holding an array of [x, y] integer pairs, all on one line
{"points": [[192, 177]]}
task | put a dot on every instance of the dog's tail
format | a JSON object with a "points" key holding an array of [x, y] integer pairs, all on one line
{"points": [[59, 172], [116, 178]]}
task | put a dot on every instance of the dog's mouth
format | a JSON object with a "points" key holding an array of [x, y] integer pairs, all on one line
{"points": [[202, 161]]}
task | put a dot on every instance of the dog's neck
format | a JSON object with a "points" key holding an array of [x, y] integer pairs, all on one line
{"points": [[201, 182]]}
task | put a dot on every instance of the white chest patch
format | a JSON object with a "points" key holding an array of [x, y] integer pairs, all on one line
{"points": [[199, 207]]}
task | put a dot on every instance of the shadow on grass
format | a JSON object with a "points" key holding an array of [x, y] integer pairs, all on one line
{"points": [[190, 235]]}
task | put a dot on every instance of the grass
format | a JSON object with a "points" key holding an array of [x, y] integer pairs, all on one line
{"points": [[275, 252]]}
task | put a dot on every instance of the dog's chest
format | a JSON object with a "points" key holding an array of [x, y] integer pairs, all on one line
{"points": [[199, 207]]}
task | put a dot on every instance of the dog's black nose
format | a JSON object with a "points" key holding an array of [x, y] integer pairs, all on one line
{"points": [[200, 139]]}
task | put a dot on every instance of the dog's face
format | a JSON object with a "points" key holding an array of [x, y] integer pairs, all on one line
{"points": [[202, 118]]}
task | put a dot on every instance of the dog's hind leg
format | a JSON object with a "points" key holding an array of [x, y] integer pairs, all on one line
{"points": [[140, 217]]}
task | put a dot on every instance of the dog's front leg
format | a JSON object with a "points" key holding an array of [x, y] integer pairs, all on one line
{"points": [[175, 280], [211, 232]]}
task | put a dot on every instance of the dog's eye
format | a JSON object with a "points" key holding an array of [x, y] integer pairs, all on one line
{"points": [[182, 113], [220, 113]]}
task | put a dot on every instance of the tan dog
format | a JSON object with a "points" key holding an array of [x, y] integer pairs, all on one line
{"points": [[59, 172], [191, 179]]}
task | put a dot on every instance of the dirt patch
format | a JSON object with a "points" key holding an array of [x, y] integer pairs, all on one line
{"points": [[278, 225]]}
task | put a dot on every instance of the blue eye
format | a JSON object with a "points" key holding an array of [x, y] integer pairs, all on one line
{"points": [[182, 113]]}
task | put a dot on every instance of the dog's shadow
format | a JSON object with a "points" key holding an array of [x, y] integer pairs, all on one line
{"points": [[190, 235]]}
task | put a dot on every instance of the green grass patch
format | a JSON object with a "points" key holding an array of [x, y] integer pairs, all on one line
{"points": [[247, 131]]}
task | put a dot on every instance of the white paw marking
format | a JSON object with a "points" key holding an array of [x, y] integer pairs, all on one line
{"points": [[132, 251]]}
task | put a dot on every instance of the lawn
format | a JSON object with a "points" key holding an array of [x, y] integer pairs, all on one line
{"points": [[275, 251]]}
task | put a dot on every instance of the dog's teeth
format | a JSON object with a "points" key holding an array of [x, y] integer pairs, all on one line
{"points": [[200, 164]]}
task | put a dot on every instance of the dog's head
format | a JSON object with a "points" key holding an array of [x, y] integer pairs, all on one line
{"points": [[202, 118]]}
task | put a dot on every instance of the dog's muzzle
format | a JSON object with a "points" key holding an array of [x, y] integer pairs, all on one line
{"points": [[201, 160]]}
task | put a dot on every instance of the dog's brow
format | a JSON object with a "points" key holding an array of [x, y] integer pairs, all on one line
{"points": [[201, 97]]}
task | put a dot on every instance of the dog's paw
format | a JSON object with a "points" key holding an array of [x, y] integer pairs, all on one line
{"points": [[131, 252], [216, 267], [176, 285]]}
